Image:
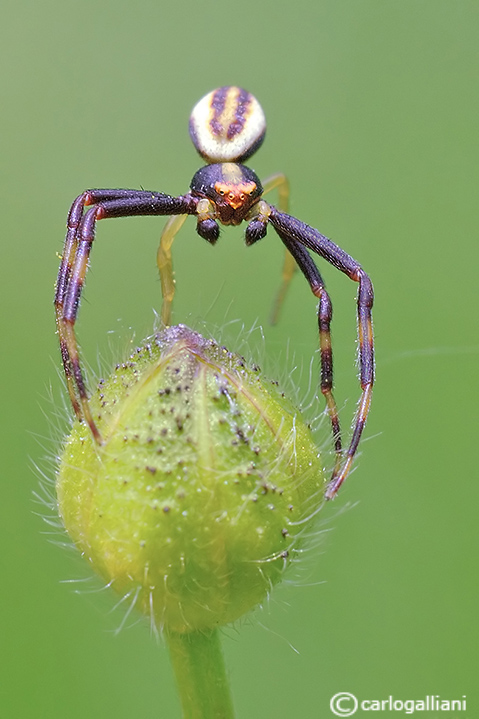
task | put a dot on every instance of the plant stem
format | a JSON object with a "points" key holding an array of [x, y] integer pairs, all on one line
{"points": [[199, 668]]}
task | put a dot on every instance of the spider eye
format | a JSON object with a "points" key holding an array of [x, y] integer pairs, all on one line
{"points": [[227, 125]]}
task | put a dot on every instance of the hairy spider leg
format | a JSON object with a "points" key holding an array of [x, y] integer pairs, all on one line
{"points": [[75, 215], [325, 312], [74, 265], [165, 266], [173, 226], [280, 181], [298, 232]]}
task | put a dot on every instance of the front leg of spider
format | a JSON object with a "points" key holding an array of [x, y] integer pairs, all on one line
{"points": [[325, 313], [296, 234], [81, 228]]}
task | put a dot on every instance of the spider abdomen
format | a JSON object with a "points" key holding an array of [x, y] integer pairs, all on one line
{"points": [[227, 125]]}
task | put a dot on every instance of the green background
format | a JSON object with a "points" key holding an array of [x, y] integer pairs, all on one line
{"points": [[372, 109]]}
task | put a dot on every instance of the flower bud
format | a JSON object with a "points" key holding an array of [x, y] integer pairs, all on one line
{"points": [[197, 499]]}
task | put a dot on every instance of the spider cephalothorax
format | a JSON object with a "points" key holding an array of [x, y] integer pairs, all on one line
{"points": [[231, 188], [227, 126]]}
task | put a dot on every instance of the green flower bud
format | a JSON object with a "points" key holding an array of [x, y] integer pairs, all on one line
{"points": [[202, 489]]}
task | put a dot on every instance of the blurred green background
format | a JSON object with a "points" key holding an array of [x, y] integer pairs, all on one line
{"points": [[372, 109]]}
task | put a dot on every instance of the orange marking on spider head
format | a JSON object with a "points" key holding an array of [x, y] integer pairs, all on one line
{"points": [[235, 195]]}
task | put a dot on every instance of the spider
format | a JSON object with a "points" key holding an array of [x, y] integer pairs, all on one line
{"points": [[226, 126]]}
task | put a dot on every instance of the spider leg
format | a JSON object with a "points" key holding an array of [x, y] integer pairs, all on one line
{"points": [[74, 265], [298, 232], [280, 181], [64, 274], [289, 268], [165, 265], [75, 215], [325, 313]]}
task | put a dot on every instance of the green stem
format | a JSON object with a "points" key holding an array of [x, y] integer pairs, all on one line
{"points": [[199, 668]]}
